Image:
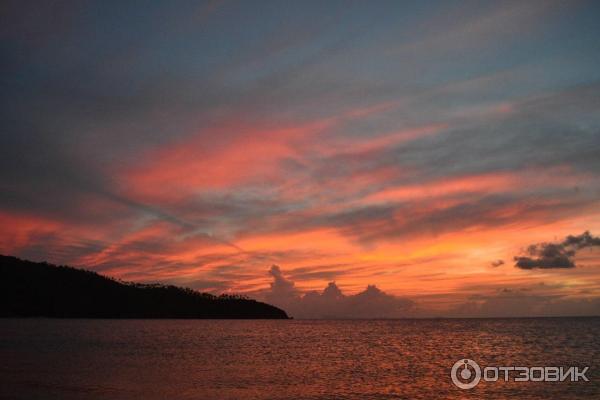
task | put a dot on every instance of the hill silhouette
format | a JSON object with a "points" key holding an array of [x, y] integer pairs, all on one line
{"points": [[30, 289]]}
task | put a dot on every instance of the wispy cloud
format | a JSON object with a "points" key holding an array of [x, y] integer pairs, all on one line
{"points": [[197, 144]]}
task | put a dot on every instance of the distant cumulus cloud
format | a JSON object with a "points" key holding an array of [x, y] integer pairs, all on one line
{"points": [[281, 288], [332, 303], [556, 255]]}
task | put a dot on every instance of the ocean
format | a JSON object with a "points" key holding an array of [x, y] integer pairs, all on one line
{"points": [[290, 359]]}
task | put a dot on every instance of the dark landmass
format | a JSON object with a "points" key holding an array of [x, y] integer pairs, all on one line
{"points": [[30, 289]]}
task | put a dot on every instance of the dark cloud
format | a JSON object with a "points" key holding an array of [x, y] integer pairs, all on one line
{"points": [[556, 255], [545, 262], [582, 241], [497, 263]]}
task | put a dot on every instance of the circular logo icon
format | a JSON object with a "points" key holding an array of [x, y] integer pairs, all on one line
{"points": [[465, 374]]}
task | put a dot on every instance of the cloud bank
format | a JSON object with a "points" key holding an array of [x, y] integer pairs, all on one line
{"points": [[332, 303], [372, 303]]}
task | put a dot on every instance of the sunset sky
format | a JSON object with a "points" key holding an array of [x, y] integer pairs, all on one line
{"points": [[270, 148]]}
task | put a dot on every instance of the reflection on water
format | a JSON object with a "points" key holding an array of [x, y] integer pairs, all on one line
{"points": [[168, 359]]}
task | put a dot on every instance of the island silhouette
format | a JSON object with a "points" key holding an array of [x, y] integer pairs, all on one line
{"points": [[40, 289]]}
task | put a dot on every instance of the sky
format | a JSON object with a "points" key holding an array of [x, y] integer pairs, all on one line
{"points": [[338, 159]]}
